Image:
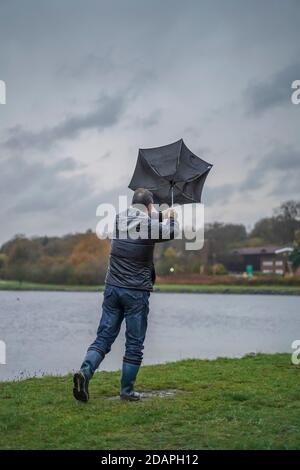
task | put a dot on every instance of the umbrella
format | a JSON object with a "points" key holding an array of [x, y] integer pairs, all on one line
{"points": [[172, 173]]}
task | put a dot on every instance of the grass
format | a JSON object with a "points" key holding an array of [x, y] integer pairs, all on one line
{"points": [[193, 288], [229, 289], [16, 285], [248, 403]]}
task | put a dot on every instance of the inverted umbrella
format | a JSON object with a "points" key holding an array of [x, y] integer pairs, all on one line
{"points": [[172, 173]]}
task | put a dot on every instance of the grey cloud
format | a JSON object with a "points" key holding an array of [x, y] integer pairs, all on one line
{"points": [[90, 64], [107, 112], [35, 190], [283, 161], [41, 193], [34, 186], [66, 164], [106, 155], [287, 187], [266, 95], [218, 194], [281, 166], [149, 121], [176, 49]]}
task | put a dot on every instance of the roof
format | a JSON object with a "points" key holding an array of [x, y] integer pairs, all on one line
{"points": [[262, 250], [285, 249]]}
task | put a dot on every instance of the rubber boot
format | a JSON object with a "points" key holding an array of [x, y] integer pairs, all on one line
{"points": [[129, 373], [81, 378], [91, 363]]}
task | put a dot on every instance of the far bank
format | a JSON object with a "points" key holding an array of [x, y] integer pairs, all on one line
{"points": [[273, 289]]}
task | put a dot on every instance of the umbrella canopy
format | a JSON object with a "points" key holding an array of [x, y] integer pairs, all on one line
{"points": [[172, 172]]}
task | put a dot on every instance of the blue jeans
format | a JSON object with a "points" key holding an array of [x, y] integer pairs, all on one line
{"points": [[120, 303]]}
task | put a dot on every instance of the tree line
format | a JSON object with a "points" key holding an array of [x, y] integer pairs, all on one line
{"points": [[82, 258], [71, 259]]}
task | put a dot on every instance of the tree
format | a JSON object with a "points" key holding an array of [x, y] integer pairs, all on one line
{"points": [[221, 238], [89, 259], [289, 210], [3, 260], [295, 257], [279, 229], [297, 236]]}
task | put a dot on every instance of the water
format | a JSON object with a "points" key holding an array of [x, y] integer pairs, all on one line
{"points": [[48, 332]]}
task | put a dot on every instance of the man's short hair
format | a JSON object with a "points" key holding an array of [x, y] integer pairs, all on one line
{"points": [[143, 197]]}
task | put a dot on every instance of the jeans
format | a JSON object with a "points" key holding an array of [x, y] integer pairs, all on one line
{"points": [[120, 303]]}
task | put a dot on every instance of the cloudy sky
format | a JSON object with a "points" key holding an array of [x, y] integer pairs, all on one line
{"points": [[91, 81]]}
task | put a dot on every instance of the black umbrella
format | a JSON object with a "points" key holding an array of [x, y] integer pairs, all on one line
{"points": [[172, 172]]}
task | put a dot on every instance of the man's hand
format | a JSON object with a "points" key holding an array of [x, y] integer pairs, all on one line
{"points": [[170, 214]]}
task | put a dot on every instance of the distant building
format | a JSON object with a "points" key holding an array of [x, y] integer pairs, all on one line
{"points": [[266, 259]]}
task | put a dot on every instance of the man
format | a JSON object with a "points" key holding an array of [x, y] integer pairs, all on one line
{"points": [[129, 281]]}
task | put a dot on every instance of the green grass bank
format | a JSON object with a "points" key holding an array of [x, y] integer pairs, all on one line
{"points": [[248, 403]]}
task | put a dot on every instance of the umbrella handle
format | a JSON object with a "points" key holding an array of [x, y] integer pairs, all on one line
{"points": [[172, 195]]}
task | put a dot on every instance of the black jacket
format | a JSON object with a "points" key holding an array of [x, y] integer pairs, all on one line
{"points": [[131, 258]]}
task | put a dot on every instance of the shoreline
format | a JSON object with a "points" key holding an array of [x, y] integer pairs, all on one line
{"points": [[161, 288]]}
